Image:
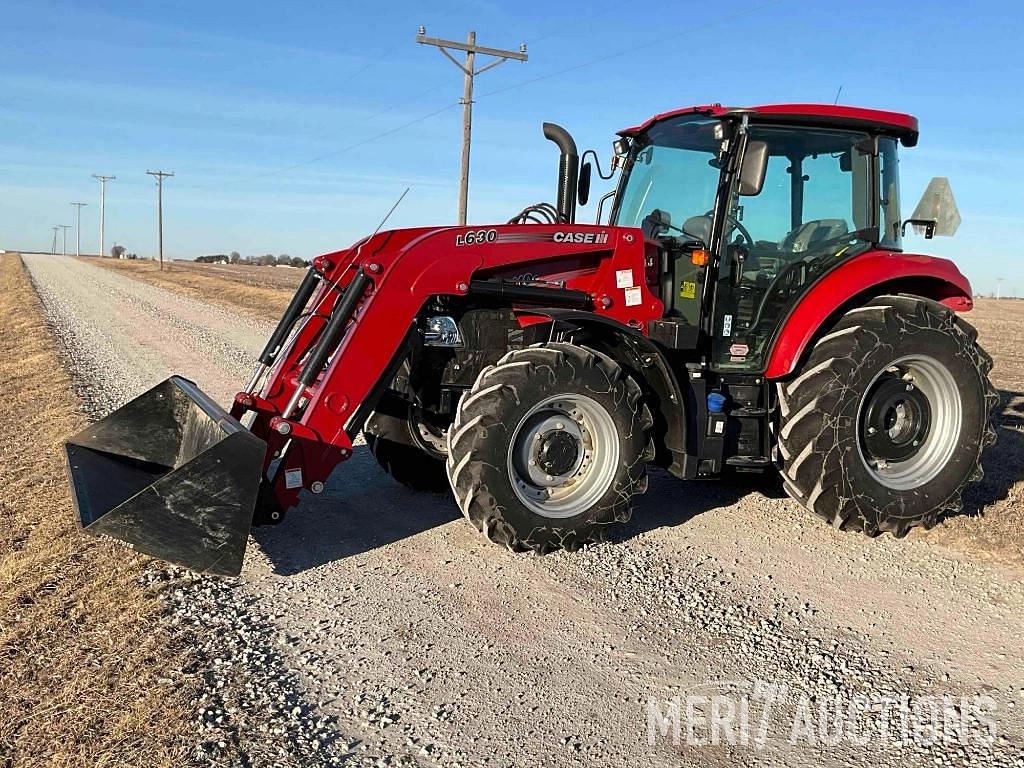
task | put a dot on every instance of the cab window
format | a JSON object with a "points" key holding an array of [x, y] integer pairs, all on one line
{"points": [[816, 208]]}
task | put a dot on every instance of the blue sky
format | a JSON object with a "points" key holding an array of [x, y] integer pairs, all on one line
{"points": [[229, 95]]}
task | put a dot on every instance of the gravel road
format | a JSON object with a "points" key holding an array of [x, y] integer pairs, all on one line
{"points": [[402, 637]]}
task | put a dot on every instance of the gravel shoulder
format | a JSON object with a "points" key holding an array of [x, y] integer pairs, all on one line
{"points": [[426, 645]]}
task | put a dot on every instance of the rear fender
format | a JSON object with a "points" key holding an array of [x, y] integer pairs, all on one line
{"points": [[851, 284], [643, 360]]}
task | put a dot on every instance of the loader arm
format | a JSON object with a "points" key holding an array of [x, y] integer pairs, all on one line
{"points": [[320, 388]]}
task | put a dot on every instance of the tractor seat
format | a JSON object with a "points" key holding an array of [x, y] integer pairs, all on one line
{"points": [[810, 233], [698, 227]]}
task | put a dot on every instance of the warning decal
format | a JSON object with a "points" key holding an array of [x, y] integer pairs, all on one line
{"points": [[293, 478]]}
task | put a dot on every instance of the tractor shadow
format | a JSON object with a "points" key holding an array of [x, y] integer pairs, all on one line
{"points": [[360, 510], [1003, 461], [670, 502], [363, 509]]}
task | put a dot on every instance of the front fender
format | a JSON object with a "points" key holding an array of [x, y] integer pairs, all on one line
{"points": [[870, 274]]}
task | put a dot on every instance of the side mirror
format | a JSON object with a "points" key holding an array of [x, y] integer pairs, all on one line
{"points": [[583, 185], [755, 163], [936, 213]]}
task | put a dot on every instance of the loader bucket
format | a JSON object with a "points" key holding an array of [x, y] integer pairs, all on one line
{"points": [[171, 474]]}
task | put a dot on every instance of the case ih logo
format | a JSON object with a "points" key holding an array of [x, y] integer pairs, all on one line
{"points": [[580, 237]]}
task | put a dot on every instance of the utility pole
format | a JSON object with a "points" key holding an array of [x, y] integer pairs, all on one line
{"points": [[470, 71], [103, 199], [78, 228], [53, 248], [999, 287], [160, 175], [64, 245]]}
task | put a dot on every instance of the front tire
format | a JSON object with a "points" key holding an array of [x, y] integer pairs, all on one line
{"points": [[884, 424], [413, 467], [416, 459], [549, 447]]}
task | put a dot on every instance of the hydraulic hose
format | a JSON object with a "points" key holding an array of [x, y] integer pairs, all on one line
{"points": [[291, 314]]}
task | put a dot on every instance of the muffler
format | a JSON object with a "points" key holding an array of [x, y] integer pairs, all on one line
{"points": [[171, 474]]}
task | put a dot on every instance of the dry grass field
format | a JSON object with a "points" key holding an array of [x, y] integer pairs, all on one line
{"points": [[83, 659], [260, 291], [993, 524]]}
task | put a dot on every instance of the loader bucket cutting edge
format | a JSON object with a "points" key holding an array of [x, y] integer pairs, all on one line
{"points": [[171, 474]]}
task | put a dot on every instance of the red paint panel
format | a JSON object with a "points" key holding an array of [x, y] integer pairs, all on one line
{"points": [[897, 121], [938, 279]]}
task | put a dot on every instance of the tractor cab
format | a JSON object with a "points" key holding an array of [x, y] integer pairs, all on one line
{"points": [[748, 208]]}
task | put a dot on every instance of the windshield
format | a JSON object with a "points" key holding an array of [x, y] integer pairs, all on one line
{"points": [[673, 168]]}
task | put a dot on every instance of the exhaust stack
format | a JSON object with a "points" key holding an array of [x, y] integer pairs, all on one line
{"points": [[568, 170]]}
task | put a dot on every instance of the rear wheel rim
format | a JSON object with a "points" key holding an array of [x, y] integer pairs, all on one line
{"points": [[563, 456], [909, 422]]}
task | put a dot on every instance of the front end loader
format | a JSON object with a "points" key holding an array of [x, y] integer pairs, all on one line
{"points": [[747, 307]]}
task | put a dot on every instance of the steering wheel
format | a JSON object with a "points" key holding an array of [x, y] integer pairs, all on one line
{"points": [[734, 223], [813, 264]]}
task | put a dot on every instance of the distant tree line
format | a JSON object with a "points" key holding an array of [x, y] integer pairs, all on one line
{"points": [[267, 260]]}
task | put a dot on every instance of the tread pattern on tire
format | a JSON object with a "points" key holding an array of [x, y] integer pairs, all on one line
{"points": [[810, 404], [478, 412], [410, 466]]}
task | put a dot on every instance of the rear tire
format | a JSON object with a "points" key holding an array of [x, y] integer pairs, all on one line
{"points": [[549, 447], [884, 424]]}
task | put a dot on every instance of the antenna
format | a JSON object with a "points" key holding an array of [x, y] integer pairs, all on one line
{"points": [[387, 216], [837, 95]]}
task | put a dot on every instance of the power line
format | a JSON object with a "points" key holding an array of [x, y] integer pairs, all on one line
{"points": [[513, 86], [470, 72], [633, 49], [78, 227], [357, 144], [378, 58], [103, 200], [160, 176], [64, 246]]}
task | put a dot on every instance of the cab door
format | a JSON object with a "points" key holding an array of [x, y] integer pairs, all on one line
{"points": [[817, 207]]}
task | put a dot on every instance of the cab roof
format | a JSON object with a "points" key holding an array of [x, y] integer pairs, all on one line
{"points": [[898, 124]]}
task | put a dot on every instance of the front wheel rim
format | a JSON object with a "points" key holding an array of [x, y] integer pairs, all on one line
{"points": [[909, 422], [563, 456]]}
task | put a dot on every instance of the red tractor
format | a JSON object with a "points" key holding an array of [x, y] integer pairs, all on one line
{"points": [[747, 307]]}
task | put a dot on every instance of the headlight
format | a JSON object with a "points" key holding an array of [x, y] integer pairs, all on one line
{"points": [[442, 331]]}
